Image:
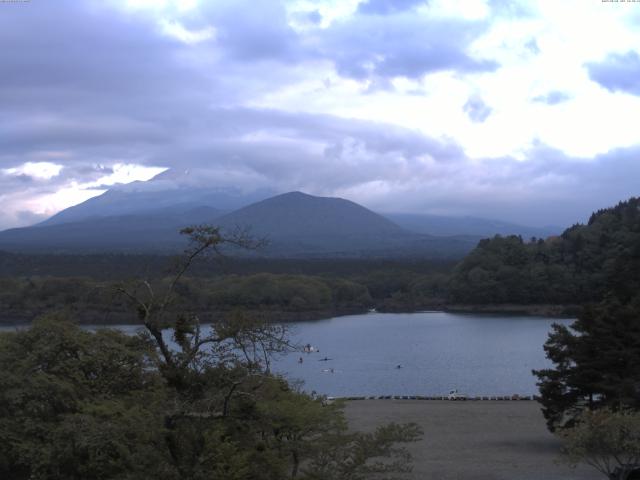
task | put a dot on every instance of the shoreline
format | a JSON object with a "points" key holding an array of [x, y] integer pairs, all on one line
{"points": [[279, 316], [438, 398], [541, 310]]}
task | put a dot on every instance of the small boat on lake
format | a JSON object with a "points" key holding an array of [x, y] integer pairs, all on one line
{"points": [[308, 348]]}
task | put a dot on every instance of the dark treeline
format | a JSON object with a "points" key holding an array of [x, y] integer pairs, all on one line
{"points": [[116, 266], [275, 296], [281, 289], [578, 267], [596, 362]]}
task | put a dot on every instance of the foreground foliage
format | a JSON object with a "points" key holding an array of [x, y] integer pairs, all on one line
{"points": [[607, 440], [591, 395], [199, 403], [76, 404], [596, 362]]}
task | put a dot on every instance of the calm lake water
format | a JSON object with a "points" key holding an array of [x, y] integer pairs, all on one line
{"points": [[478, 354], [438, 352]]}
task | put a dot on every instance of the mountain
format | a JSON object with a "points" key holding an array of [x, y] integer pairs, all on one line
{"points": [[482, 227], [155, 231], [140, 200], [299, 223], [296, 213], [295, 224]]}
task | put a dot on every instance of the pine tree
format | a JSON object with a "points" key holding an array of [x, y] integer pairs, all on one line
{"points": [[596, 363]]}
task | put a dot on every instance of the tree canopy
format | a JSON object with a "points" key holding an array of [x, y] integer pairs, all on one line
{"points": [[176, 401], [578, 267], [607, 440], [597, 360]]}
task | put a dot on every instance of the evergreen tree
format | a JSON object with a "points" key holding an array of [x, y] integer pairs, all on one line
{"points": [[596, 362]]}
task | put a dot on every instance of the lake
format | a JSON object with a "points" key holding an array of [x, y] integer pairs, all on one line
{"points": [[478, 354]]}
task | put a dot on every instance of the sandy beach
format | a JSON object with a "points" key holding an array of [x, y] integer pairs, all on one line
{"points": [[483, 440]]}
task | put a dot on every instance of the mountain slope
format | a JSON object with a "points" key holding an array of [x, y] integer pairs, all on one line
{"points": [[295, 224], [142, 200], [295, 213], [156, 231], [299, 224], [483, 227]]}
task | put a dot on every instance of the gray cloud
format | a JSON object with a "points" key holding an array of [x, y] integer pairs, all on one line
{"points": [[313, 17], [384, 7], [618, 72], [29, 218], [477, 110], [552, 98], [547, 188], [402, 45], [253, 31], [98, 87], [393, 43], [512, 8]]}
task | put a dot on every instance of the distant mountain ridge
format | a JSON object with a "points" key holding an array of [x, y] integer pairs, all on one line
{"points": [[132, 201], [296, 225], [154, 231], [146, 217], [465, 225]]}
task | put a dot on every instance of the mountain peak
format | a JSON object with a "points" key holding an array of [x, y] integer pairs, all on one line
{"points": [[294, 194], [292, 213], [299, 194]]}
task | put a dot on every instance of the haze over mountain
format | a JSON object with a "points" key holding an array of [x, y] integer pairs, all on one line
{"points": [[154, 231], [169, 192], [295, 224], [483, 227]]}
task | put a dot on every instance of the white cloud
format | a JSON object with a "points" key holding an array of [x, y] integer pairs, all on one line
{"points": [[66, 194], [467, 9], [177, 30], [36, 170]]}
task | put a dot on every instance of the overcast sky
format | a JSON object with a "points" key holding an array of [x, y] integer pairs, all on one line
{"points": [[526, 110]]}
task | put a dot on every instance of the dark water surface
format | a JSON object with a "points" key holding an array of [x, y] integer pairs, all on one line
{"points": [[478, 354]]}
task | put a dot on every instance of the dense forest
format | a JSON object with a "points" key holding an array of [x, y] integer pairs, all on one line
{"points": [[278, 297], [577, 267], [596, 362]]}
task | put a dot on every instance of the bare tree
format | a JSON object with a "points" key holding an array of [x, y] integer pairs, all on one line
{"points": [[243, 346]]}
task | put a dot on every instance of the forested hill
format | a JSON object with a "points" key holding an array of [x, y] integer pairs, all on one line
{"points": [[582, 265]]}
